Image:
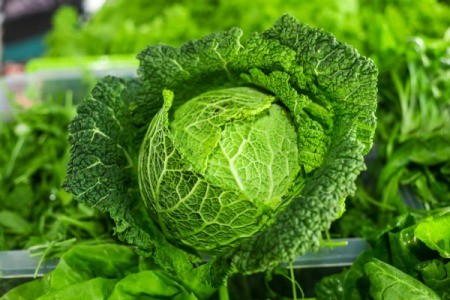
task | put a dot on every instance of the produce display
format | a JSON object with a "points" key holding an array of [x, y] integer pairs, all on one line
{"points": [[242, 143], [35, 210]]}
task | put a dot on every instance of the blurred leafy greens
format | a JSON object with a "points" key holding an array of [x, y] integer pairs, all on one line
{"points": [[409, 256], [34, 210]]}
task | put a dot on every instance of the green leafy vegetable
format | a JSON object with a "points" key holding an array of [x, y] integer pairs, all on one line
{"points": [[34, 210], [387, 282], [105, 271], [400, 261], [408, 167], [436, 275], [229, 142], [435, 233]]}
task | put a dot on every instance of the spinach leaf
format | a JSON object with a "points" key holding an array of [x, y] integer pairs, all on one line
{"points": [[388, 282], [104, 271], [399, 258], [435, 233]]}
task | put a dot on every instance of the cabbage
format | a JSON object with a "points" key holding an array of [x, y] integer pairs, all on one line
{"points": [[241, 150]]}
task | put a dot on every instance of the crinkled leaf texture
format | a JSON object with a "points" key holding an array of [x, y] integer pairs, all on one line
{"points": [[212, 202], [102, 173], [327, 87]]}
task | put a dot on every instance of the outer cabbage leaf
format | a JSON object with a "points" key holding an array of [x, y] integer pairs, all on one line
{"points": [[340, 87], [102, 173], [103, 157]]}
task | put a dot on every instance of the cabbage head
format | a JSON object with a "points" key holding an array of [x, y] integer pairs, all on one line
{"points": [[217, 171], [240, 150]]}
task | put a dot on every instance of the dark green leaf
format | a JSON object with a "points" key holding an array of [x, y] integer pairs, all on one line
{"points": [[436, 275], [330, 288]]}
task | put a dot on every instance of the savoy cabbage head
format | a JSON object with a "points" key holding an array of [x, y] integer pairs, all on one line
{"points": [[241, 150]]}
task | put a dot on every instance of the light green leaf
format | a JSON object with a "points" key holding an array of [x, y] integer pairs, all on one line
{"points": [[189, 208], [95, 288], [30, 290], [14, 222], [86, 262], [238, 140], [151, 284], [388, 282], [200, 120], [435, 233], [432, 150]]}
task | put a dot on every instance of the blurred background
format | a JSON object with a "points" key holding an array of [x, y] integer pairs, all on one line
{"points": [[25, 24]]}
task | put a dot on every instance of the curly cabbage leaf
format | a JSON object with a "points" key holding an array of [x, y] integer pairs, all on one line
{"points": [[244, 150]]}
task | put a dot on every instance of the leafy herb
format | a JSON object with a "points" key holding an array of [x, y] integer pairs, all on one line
{"points": [[34, 209]]}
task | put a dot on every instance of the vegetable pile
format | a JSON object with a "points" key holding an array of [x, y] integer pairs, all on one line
{"points": [[174, 155], [410, 259], [34, 210]]}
